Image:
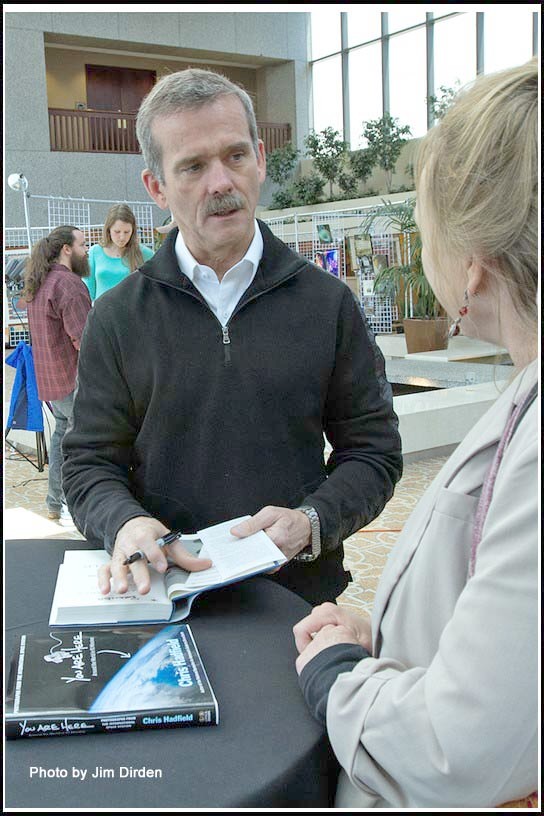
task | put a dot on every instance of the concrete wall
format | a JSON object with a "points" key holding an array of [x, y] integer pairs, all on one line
{"points": [[66, 80], [248, 44], [304, 228], [270, 34]]}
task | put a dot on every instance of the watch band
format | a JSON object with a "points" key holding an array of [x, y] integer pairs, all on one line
{"points": [[313, 550]]}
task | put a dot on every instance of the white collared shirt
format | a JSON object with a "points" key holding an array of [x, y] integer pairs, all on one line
{"points": [[222, 296]]}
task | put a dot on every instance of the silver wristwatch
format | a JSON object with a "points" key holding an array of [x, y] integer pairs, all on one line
{"points": [[313, 550]]}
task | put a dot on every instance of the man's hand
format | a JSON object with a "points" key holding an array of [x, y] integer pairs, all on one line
{"points": [[290, 530], [141, 533], [326, 626]]}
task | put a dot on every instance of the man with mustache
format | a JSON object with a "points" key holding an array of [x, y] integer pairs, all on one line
{"points": [[58, 303], [207, 381]]}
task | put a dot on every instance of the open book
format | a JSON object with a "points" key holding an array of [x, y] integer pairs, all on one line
{"points": [[78, 601]]}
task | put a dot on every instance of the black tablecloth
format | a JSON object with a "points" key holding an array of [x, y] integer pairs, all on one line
{"points": [[267, 751]]}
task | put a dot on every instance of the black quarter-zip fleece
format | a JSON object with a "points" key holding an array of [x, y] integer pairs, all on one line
{"points": [[177, 417]]}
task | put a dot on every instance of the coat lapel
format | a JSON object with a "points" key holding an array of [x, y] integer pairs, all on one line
{"points": [[486, 433]]}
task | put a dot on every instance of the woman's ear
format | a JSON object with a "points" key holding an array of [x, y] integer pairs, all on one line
{"points": [[477, 275]]}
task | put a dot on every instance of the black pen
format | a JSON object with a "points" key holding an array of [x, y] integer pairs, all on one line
{"points": [[162, 542]]}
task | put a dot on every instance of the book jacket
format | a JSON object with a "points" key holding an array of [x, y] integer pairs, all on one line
{"points": [[82, 681]]}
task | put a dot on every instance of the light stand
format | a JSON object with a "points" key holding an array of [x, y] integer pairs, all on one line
{"points": [[18, 181]]}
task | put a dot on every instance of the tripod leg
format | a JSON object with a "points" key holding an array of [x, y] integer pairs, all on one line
{"points": [[41, 450]]}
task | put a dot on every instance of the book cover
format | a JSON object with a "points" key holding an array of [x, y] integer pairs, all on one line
{"points": [[360, 246], [331, 262], [368, 288], [379, 263], [320, 260], [324, 233], [90, 681]]}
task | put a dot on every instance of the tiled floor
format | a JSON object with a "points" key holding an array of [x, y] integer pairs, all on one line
{"points": [[366, 552]]}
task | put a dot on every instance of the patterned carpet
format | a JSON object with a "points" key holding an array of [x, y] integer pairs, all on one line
{"points": [[366, 552]]}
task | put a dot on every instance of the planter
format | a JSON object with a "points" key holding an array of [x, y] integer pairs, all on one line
{"points": [[426, 335]]}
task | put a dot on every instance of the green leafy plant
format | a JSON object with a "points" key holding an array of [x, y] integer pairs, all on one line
{"points": [[329, 153], [282, 199], [439, 103], [280, 166], [385, 139], [393, 281], [361, 164], [348, 185], [308, 189], [281, 163]]}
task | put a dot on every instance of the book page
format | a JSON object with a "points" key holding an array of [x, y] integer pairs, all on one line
{"points": [[79, 582], [234, 557], [221, 531], [176, 578]]}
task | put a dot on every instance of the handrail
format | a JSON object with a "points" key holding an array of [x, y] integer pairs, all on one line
{"points": [[85, 131], [99, 131]]}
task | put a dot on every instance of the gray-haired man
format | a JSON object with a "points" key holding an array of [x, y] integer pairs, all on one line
{"points": [[246, 355]]}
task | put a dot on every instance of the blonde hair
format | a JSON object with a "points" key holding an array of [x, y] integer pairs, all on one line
{"points": [[132, 254], [481, 179]]}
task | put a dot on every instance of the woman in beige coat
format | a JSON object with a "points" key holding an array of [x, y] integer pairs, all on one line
{"points": [[435, 704]]}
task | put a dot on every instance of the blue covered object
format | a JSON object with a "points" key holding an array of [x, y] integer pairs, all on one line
{"points": [[25, 411]]}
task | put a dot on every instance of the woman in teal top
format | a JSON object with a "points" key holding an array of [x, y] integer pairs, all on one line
{"points": [[118, 254]]}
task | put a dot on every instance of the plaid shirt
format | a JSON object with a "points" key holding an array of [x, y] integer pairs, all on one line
{"points": [[57, 316]]}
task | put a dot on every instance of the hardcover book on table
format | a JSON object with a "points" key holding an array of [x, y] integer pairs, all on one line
{"points": [[88, 681], [77, 600]]}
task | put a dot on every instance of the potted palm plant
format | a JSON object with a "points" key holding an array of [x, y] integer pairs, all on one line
{"points": [[425, 323]]}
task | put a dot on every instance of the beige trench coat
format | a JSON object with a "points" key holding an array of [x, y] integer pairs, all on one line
{"points": [[447, 714]]}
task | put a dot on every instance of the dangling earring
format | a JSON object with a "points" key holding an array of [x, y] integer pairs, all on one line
{"points": [[454, 328]]}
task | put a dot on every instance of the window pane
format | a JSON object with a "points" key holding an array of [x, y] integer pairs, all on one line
{"points": [[508, 38], [404, 18], [455, 50], [437, 14], [327, 94], [365, 89], [408, 80], [363, 25], [325, 27]]}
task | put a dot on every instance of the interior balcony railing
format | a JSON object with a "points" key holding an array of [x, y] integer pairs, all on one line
{"points": [[85, 131]]}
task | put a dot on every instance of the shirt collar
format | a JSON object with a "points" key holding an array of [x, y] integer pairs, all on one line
{"points": [[189, 265], [58, 267]]}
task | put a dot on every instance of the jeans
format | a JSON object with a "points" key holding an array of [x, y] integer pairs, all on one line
{"points": [[62, 411]]}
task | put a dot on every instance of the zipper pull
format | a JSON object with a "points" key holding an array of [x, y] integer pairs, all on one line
{"points": [[226, 343]]}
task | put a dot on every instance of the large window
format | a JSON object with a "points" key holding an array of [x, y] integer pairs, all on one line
{"points": [[407, 80], [325, 32], [392, 72], [327, 91], [455, 50], [365, 89], [364, 25], [404, 17], [507, 39]]}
